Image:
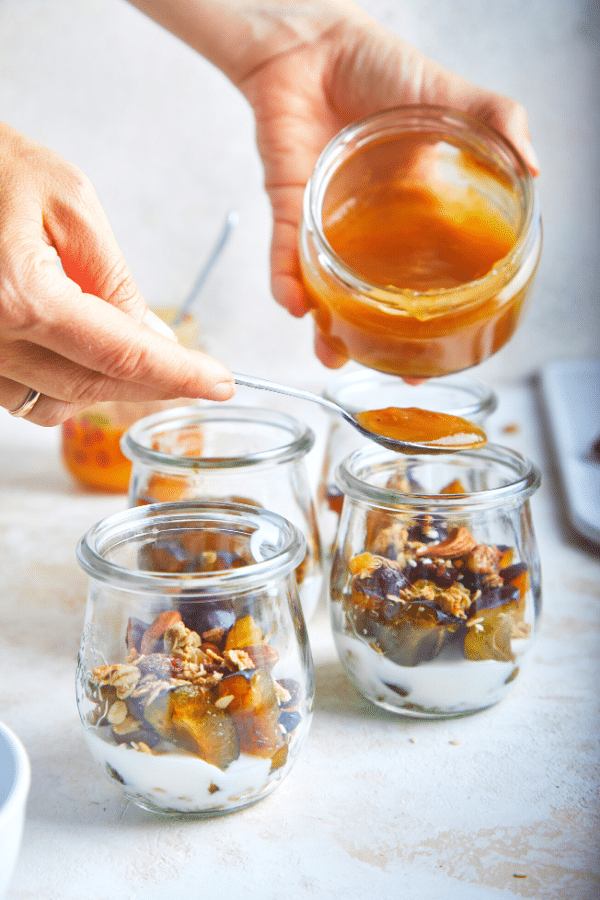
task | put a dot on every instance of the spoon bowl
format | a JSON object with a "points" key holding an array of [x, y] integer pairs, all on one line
{"points": [[408, 430]]}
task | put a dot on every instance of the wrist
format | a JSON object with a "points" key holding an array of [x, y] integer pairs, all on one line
{"points": [[240, 36]]}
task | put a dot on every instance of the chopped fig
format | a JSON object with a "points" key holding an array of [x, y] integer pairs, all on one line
{"points": [[244, 633], [416, 635], [188, 717], [289, 720], [489, 635], [153, 636], [207, 615], [135, 632], [254, 710]]}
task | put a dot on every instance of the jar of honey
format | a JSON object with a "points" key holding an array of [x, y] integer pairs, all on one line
{"points": [[420, 239]]}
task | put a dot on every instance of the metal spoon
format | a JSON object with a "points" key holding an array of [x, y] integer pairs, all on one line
{"points": [[470, 437], [230, 222]]}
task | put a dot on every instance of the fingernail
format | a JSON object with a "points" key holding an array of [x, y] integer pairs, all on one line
{"points": [[222, 391], [156, 324]]}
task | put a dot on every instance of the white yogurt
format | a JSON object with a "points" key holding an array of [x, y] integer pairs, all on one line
{"points": [[182, 782], [446, 685]]}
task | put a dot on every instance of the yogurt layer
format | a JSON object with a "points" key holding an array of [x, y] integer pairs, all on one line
{"points": [[182, 782], [448, 684]]}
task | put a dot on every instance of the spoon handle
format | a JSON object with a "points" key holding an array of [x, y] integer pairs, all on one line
{"points": [[261, 383], [230, 222]]}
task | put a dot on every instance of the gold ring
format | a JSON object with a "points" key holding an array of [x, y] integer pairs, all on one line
{"points": [[26, 406]]}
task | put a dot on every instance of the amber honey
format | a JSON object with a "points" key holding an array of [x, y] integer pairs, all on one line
{"points": [[419, 242], [92, 454], [422, 426]]}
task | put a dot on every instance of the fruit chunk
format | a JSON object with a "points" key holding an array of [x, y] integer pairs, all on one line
{"points": [[254, 709], [162, 489], [489, 637], [188, 717], [415, 633], [245, 633]]}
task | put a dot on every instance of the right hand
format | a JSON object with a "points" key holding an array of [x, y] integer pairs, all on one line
{"points": [[83, 333]]}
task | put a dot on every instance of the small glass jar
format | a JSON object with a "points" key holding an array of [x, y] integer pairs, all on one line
{"points": [[420, 238], [194, 676], [458, 395], [246, 454], [435, 583], [90, 440]]}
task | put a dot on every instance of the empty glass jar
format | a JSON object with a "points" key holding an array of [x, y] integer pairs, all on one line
{"points": [[458, 395], [194, 677], [247, 454], [435, 583]]}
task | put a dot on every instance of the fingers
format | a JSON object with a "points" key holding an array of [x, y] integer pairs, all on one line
{"points": [[332, 356], [286, 281], [510, 119], [80, 333]]}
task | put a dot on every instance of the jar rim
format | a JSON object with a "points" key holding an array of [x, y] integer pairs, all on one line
{"points": [[136, 443], [479, 398], [446, 123], [282, 543], [525, 481]]}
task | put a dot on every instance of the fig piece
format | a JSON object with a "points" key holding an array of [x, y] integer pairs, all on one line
{"points": [[254, 710], [135, 633], [490, 637], [416, 635], [188, 717], [244, 633], [205, 614]]}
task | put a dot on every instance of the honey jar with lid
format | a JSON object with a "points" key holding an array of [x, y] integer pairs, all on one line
{"points": [[420, 237]]}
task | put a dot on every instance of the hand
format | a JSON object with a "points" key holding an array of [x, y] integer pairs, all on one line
{"points": [[350, 67], [80, 333]]}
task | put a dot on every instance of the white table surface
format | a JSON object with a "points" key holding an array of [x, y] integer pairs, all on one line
{"points": [[376, 805]]}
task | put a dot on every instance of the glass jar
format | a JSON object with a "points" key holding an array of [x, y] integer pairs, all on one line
{"points": [[194, 676], [90, 440], [458, 395], [246, 454], [420, 238], [435, 583]]}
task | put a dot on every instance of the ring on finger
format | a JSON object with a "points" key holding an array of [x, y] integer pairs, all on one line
{"points": [[26, 406]]}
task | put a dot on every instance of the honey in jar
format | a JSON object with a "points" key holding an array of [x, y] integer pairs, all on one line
{"points": [[420, 239]]}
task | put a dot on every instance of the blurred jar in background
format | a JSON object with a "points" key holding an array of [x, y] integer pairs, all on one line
{"points": [[90, 445]]}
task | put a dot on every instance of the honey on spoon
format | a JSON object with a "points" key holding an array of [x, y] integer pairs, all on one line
{"points": [[408, 430]]}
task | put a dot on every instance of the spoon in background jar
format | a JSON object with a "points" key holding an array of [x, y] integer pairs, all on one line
{"points": [[409, 430], [231, 221]]}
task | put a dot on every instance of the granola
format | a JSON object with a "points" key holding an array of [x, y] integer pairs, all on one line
{"points": [[415, 590], [202, 693]]}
